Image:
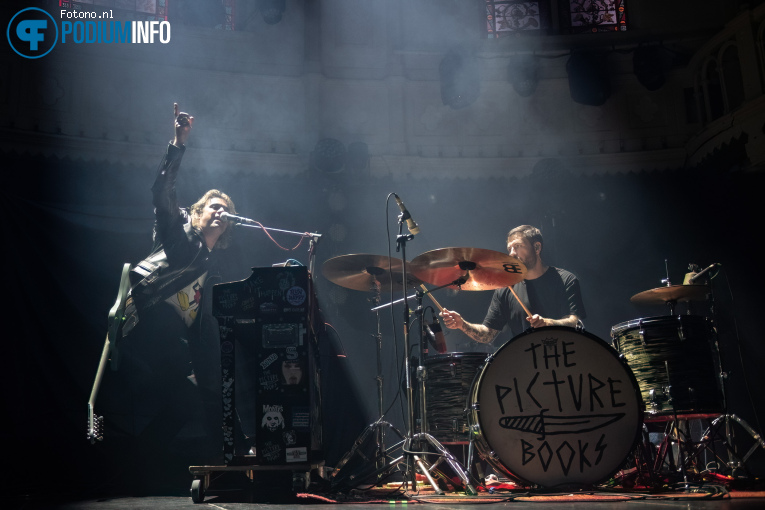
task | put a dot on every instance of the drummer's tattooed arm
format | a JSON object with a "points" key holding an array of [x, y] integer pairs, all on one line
{"points": [[479, 332], [537, 321]]}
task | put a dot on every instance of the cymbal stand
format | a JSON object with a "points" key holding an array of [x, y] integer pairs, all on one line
{"points": [[380, 437], [735, 461], [378, 426], [680, 441], [689, 450]]}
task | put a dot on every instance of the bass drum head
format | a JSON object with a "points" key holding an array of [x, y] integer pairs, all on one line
{"points": [[556, 406]]}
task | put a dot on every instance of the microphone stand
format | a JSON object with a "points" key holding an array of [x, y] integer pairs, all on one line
{"points": [[401, 241], [411, 455], [312, 236], [411, 436]]}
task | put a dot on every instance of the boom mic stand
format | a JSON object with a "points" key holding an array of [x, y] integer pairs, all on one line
{"points": [[412, 438], [241, 221], [411, 456]]}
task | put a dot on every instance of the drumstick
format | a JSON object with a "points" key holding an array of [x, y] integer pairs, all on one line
{"points": [[440, 308], [519, 301]]}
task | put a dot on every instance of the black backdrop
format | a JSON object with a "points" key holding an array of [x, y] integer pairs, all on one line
{"points": [[72, 224]]}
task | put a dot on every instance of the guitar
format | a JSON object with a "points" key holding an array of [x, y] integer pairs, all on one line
{"points": [[113, 333]]}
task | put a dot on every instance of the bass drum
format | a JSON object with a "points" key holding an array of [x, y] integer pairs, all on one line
{"points": [[555, 406]]}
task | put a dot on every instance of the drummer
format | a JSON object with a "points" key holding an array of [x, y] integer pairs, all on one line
{"points": [[551, 294]]}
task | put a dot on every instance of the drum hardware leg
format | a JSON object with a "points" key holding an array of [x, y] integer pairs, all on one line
{"points": [[680, 445], [645, 460], [450, 460], [664, 452], [735, 460], [355, 450], [471, 451], [426, 473], [442, 476]]}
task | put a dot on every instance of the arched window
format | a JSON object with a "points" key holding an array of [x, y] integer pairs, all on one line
{"points": [[733, 82]]}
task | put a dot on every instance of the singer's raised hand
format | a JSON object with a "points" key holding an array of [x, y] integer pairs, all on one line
{"points": [[183, 124]]}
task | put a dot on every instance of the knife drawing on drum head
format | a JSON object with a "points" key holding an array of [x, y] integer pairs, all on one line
{"points": [[556, 425]]}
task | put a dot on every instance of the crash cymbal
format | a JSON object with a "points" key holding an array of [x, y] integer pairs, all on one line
{"points": [[361, 270], [678, 293], [485, 269]]}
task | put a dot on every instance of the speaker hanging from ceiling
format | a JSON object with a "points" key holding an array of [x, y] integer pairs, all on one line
{"points": [[588, 79]]}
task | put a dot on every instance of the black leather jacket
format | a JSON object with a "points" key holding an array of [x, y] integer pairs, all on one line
{"points": [[179, 256]]}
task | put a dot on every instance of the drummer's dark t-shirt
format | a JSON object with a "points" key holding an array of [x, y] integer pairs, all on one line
{"points": [[555, 294]]}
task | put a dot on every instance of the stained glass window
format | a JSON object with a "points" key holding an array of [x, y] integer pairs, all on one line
{"points": [[509, 17], [230, 8], [593, 16], [515, 17]]}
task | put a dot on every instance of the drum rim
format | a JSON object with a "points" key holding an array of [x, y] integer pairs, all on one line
{"points": [[455, 355], [490, 359], [620, 327]]}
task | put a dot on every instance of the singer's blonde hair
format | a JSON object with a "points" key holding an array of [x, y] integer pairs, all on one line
{"points": [[199, 205]]}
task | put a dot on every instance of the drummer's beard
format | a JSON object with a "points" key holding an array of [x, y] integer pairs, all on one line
{"points": [[531, 261]]}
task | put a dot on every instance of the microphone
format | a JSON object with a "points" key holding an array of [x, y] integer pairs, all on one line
{"points": [[436, 336], [237, 219], [705, 271], [410, 223]]}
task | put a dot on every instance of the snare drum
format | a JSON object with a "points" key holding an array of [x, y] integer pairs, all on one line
{"points": [[672, 359], [555, 406], [449, 377]]}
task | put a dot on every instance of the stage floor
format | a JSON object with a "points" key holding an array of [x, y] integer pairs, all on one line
{"points": [[231, 494], [227, 502]]}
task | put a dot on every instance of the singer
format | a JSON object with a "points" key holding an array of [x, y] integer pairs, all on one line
{"points": [[171, 355], [551, 294]]}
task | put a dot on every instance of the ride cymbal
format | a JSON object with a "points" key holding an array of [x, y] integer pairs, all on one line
{"points": [[482, 269], [675, 293], [360, 271]]}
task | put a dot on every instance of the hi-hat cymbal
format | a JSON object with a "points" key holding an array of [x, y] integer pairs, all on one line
{"points": [[484, 269], [360, 271], [674, 293]]}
